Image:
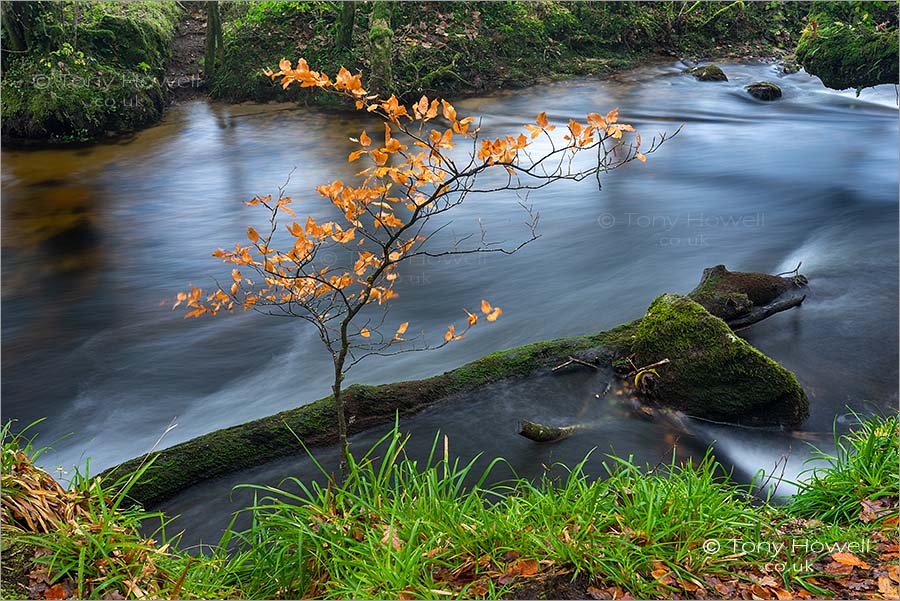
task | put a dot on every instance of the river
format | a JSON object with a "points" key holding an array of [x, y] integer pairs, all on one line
{"points": [[95, 238]]}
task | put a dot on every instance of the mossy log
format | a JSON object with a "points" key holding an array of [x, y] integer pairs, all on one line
{"points": [[253, 443], [745, 297], [711, 374]]}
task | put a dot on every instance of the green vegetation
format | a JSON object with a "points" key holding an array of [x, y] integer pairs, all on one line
{"points": [[88, 68], [713, 373], [460, 48], [398, 528], [851, 44]]}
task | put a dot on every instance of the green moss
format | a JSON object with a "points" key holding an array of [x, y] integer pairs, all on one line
{"points": [[712, 373], [708, 73], [107, 82], [845, 55]]}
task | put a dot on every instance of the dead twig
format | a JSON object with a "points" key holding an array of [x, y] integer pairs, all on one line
{"points": [[572, 360]]}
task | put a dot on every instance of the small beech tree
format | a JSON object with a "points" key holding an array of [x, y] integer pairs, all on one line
{"points": [[391, 213]]}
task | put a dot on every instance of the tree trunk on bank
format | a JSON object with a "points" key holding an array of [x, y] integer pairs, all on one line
{"points": [[214, 50], [345, 25], [380, 48], [14, 27]]}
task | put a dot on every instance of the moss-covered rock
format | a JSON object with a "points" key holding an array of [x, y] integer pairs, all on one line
{"points": [[107, 82], [847, 56], [764, 90], [712, 373], [708, 73]]}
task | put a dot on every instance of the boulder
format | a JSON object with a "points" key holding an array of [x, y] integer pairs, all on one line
{"points": [[764, 90], [708, 73], [712, 373]]}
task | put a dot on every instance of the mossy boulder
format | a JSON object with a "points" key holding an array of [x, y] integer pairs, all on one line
{"points": [[708, 73], [764, 90], [847, 56], [712, 373]]}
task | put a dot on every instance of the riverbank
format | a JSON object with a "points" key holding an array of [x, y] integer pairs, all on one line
{"points": [[397, 529], [100, 68], [86, 70]]}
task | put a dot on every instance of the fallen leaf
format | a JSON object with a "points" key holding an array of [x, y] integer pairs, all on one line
{"points": [[390, 536], [887, 588], [782, 594], [529, 567], [850, 560], [57, 591]]}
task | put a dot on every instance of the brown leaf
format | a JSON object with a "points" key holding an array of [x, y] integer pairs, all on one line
{"points": [[887, 588], [850, 560], [529, 567], [510, 556], [57, 591], [782, 594], [596, 593], [870, 510], [390, 536], [838, 569], [760, 592]]}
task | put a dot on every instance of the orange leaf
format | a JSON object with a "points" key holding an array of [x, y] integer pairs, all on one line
{"points": [[365, 333], [57, 591], [641, 157], [180, 297], [364, 139], [849, 559], [542, 120], [450, 332], [529, 567], [355, 155], [497, 312], [485, 307], [449, 111], [252, 235], [472, 318], [401, 330]]}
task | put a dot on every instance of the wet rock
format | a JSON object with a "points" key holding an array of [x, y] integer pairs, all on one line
{"points": [[764, 90], [708, 73], [713, 373]]}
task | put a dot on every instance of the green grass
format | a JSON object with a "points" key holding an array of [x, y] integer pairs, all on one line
{"points": [[862, 466], [398, 527]]}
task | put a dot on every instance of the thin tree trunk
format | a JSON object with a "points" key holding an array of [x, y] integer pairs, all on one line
{"points": [[341, 415], [345, 25], [212, 33], [13, 27]]}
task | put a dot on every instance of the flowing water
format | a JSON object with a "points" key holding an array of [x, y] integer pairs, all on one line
{"points": [[95, 238]]}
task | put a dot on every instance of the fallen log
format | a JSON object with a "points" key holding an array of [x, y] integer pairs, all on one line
{"points": [[759, 314]]}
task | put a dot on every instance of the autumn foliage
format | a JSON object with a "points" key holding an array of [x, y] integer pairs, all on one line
{"points": [[413, 173]]}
